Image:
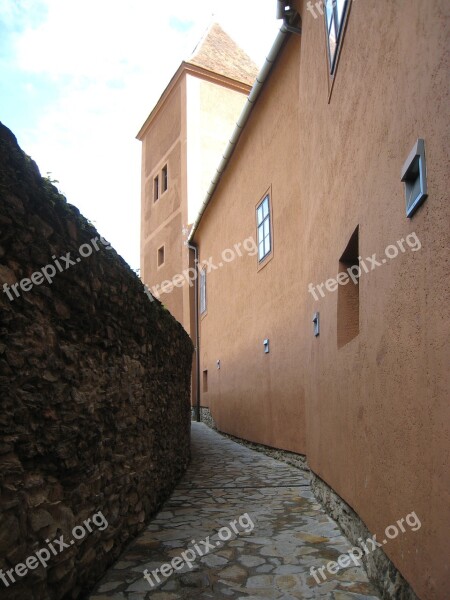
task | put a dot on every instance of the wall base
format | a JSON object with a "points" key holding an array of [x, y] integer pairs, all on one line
{"points": [[205, 417], [380, 569]]}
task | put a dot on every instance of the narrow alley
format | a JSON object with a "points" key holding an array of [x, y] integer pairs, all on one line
{"points": [[256, 523]]}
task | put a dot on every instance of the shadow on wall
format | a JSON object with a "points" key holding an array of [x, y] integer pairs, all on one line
{"points": [[94, 386]]}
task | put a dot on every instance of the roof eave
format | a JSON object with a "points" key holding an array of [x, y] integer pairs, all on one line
{"points": [[202, 73]]}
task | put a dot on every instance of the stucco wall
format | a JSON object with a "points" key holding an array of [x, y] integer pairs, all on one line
{"points": [[162, 221], [188, 132], [163, 133], [212, 111], [379, 405], [255, 395], [372, 416]]}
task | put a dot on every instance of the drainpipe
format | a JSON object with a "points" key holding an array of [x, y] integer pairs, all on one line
{"points": [[194, 247]]}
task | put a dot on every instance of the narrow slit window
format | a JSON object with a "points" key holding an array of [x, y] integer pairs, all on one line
{"points": [[264, 232], [205, 381], [165, 178], [202, 291], [161, 256], [335, 16], [156, 189]]}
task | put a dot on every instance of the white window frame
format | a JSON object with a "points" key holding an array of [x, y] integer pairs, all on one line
{"points": [[263, 228], [335, 14], [202, 291]]}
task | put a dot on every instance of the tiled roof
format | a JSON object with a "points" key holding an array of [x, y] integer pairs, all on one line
{"points": [[217, 52]]}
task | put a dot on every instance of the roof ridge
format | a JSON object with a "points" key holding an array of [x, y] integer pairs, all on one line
{"points": [[218, 52], [202, 39]]}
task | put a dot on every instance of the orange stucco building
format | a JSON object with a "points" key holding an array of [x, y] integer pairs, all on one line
{"points": [[323, 303], [182, 141]]}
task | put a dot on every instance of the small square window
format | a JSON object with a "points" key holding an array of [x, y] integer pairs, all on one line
{"points": [[414, 176], [165, 179], [156, 189], [161, 256]]}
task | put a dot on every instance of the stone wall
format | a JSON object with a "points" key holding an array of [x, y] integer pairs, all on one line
{"points": [[94, 388]]}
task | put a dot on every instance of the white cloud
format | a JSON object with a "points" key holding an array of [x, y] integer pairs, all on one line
{"points": [[110, 60]]}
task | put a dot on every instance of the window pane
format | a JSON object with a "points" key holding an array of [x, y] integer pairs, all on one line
{"points": [[266, 227], [261, 250], [265, 207], [267, 244], [260, 215], [332, 41], [203, 291], [329, 12], [260, 233], [340, 12]]}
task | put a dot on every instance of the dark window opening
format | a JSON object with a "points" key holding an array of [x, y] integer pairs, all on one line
{"points": [[161, 256], [156, 189], [205, 381], [348, 293], [165, 179]]}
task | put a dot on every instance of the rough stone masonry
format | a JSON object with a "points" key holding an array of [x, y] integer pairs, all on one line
{"points": [[94, 388]]}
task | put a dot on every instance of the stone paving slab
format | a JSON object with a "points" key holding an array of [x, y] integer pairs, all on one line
{"points": [[268, 554]]}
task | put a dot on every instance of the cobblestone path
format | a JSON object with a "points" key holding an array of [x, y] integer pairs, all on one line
{"points": [[276, 529]]}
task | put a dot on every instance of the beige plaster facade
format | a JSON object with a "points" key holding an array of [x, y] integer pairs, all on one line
{"points": [[367, 399], [182, 141]]}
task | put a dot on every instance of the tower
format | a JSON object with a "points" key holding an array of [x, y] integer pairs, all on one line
{"points": [[183, 139]]}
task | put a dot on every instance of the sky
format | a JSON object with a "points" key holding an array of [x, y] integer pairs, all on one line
{"points": [[79, 77]]}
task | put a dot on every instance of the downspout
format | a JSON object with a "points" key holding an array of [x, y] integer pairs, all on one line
{"points": [[290, 25], [194, 247]]}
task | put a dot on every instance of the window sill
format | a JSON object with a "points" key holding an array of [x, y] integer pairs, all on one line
{"points": [[265, 261]]}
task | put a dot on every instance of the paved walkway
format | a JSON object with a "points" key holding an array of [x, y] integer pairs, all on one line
{"points": [[276, 530]]}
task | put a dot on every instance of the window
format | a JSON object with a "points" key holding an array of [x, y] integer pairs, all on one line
{"points": [[165, 180], [263, 224], [161, 256], [202, 291], [205, 381], [156, 189], [348, 293], [334, 14], [414, 175]]}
